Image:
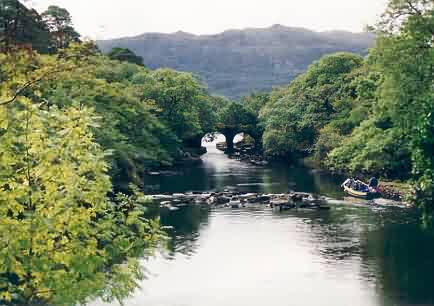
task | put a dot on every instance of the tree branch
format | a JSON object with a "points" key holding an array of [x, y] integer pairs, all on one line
{"points": [[30, 84], [414, 8], [19, 91], [43, 76]]}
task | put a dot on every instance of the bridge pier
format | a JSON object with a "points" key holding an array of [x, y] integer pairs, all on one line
{"points": [[229, 135]]}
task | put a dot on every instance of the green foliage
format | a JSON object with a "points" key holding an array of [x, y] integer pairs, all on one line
{"points": [[370, 118], [236, 115], [148, 116], [24, 28], [132, 130], [256, 101], [20, 25], [294, 116], [371, 150], [63, 240], [125, 55], [58, 21], [351, 111], [405, 56], [182, 102], [397, 138]]}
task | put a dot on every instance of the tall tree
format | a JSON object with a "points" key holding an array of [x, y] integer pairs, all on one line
{"points": [[20, 26], [59, 23], [180, 97]]}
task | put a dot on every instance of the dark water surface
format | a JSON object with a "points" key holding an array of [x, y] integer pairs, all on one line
{"points": [[350, 255]]}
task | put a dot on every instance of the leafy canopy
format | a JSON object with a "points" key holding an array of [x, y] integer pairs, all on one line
{"points": [[64, 239]]}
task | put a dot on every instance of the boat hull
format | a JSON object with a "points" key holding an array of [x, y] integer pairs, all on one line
{"points": [[359, 194]]}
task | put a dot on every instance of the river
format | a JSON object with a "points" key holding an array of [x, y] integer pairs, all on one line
{"points": [[350, 255]]}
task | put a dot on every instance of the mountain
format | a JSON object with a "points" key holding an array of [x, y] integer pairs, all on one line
{"points": [[237, 62]]}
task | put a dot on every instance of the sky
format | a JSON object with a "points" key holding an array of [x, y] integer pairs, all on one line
{"points": [[103, 19]]}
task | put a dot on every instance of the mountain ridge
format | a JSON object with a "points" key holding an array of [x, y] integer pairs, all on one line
{"points": [[236, 62], [274, 26]]}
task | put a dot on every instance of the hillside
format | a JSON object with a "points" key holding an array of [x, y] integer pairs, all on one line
{"points": [[237, 62]]}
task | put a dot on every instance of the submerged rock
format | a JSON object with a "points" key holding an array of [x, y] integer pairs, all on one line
{"points": [[160, 197]]}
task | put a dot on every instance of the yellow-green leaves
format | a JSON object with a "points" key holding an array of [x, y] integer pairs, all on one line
{"points": [[63, 240]]}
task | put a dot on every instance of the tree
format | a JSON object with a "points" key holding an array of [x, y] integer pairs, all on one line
{"points": [[293, 117], [20, 26], [59, 23], [180, 98], [405, 56], [64, 238], [256, 101], [132, 131], [396, 138], [125, 55]]}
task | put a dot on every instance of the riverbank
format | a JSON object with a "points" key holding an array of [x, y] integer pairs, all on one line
{"points": [[397, 191], [390, 190], [244, 152]]}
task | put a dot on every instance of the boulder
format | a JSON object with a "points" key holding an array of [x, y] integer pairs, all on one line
{"points": [[223, 200], [264, 198], [160, 197]]}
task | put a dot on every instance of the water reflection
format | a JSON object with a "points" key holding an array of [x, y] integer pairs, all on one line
{"points": [[348, 256], [184, 227], [403, 254]]}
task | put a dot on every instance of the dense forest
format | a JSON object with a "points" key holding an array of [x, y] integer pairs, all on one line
{"points": [[78, 127], [370, 115]]}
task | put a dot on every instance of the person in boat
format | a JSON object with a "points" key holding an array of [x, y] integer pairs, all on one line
{"points": [[356, 186], [348, 182], [373, 184]]}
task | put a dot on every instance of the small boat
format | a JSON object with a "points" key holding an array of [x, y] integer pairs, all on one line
{"points": [[359, 189]]}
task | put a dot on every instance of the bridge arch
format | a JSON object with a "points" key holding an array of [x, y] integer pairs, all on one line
{"points": [[230, 139]]}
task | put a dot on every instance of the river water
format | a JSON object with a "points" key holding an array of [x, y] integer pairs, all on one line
{"points": [[351, 255]]}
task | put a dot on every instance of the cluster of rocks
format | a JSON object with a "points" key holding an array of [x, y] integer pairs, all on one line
{"points": [[391, 195], [244, 153], [234, 199], [254, 159], [391, 192]]}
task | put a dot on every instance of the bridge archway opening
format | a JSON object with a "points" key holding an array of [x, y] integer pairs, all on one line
{"points": [[244, 142], [212, 141]]}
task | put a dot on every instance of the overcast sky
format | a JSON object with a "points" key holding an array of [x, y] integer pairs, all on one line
{"points": [[100, 19]]}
